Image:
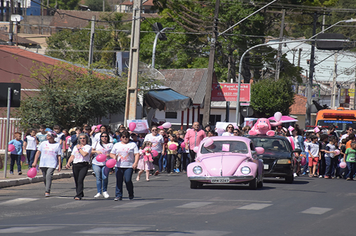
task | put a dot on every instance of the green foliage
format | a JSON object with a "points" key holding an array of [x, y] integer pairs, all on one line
{"points": [[70, 97], [97, 5], [64, 4], [269, 96], [106, 38]]}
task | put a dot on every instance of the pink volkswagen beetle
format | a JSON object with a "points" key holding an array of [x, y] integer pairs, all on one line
{"points": [[226, 160]]}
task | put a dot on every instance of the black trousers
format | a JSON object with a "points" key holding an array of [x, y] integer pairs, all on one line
{"points": [[80, 170], [192, 155]]}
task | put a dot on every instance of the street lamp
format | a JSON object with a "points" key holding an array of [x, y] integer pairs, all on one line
{"points": [[155, 43], [266, 44]]}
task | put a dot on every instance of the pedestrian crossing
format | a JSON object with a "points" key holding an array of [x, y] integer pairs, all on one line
{"points": [[241, 205]]}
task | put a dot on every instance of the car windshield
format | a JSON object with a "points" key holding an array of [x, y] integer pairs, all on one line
{"points": [[226, 146], [340, 125], [270, 144]]}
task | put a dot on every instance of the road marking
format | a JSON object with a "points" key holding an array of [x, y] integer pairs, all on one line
{"points": [[134, 204], [194, 204], [200, 233], [316, 210], [73, 204], [28, 230], [114, 231], [18, 201], [254, 206]]}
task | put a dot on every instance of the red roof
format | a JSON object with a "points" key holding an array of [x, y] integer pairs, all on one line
{"points": [[298, 108], [147, 3]]}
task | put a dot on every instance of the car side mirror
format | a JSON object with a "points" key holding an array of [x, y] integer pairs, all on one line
{"points": [[260, 150]]}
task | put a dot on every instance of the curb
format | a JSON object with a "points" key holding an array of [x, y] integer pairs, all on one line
{"points": [[26, 180]]}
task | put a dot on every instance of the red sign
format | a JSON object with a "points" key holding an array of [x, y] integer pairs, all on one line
{"points": [[228, 92]]}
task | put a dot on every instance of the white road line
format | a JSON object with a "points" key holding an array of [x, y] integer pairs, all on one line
{"points": [[194, 204], [316, 210], [114, 231], [73, 204], [18, 201], [200, 233], [254, 206], [134, 204], [28, 230]]}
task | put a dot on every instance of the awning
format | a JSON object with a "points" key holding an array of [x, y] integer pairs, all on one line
{"points": [[167, 99]]}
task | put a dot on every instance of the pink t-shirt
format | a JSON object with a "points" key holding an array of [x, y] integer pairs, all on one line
{"points": [[194, 137]]}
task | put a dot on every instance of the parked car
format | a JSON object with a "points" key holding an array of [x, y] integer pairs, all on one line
{"points": [[278, 157], [226, 160]]}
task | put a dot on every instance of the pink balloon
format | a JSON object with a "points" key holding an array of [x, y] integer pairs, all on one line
{"points": [[167, 125], [132, 126], [111, 163], [31, 173], [93, 127], [154, 153], [182, 145], [337, 152], [11, 147], [98, 127], [160, 127], [101, 157], [277, 116], [208, 142], [303, 161], [23, 158], [172, 147], [196, 149], [342, 164]]}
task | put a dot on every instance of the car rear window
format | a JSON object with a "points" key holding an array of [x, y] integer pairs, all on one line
{"points": [[270, 144], [226, 146]]}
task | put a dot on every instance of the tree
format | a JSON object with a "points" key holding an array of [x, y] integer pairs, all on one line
{"points": [[269, 96], [70, 97], [97, 5]]}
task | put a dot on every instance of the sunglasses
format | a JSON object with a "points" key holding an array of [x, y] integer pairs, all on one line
{"points": [[154, 129], [124, 137], [81, 138], [104, 136], [230, 127], [235, 132]]}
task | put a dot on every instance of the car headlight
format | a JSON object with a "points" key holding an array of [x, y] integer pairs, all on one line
{"points": [[284, 161], [245, 170], [197, 170]]}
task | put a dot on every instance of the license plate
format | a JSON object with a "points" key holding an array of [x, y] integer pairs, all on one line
{"points": [[266, 167], [220, 180]]}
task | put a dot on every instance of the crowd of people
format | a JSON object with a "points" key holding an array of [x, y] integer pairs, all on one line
{"points": [[318, 153]]}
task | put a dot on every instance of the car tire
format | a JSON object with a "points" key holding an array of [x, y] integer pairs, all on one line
{"points": [[253, 184], [260, 184], [289, 179], [195, 184]]}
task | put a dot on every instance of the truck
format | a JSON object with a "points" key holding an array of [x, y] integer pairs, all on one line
{"points": [[340, 117]]}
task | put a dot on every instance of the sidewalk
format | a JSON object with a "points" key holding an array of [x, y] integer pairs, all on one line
{"points": [[15, 179]]}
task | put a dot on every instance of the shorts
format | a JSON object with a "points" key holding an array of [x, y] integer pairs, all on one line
{"points": [[313, 161]]}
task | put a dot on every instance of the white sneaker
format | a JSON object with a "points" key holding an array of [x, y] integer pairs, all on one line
{"points": [[295, 175], [105, 194], [97, 195]]}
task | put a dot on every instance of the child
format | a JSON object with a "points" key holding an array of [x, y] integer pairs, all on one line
{"points": [[182, 154], [340, 173], [330, 159], [144, 165], [349, 155], [16, 154], [306, 148], [30, 145], [314, 156], [171, 154], [324, 140]]}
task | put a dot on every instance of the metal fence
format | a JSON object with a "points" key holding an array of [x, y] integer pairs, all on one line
{"points": [[14, 127]]}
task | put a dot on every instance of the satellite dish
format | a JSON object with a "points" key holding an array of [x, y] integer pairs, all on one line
{"points": [[16, 18]]}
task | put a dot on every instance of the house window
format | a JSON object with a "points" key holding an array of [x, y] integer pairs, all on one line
{"points": [[213, 119], [171, 115]]}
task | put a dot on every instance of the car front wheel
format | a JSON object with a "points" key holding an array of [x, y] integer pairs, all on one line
{"points": [[253, 183], [195, 184], [289, 179]]}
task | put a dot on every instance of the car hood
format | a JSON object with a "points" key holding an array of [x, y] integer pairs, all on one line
{"points": [[275, 155], [223, 164]]}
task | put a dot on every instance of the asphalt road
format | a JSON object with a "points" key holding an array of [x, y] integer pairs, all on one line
{"points": [[167, 206]]}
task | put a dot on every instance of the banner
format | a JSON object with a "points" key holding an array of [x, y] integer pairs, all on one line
{"points": [[228, 92]]}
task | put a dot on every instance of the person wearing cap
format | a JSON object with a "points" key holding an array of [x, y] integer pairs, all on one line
{"points": [[50, 152], [80, 158]]}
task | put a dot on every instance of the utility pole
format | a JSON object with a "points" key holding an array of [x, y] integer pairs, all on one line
{"points": [[91, 47], [209, 82], [279, 55], [11, 26], [333, 93], [131, 94], [311, 74], [299, 56]]}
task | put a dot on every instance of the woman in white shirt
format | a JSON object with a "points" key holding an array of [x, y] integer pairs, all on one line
{"points": [[50, 152], [80, 158], [229, 130], [126, 155], [103, 146]]}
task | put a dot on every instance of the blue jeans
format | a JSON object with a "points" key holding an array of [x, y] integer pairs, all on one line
{"points": [[162, 162], [16, 158], [30, 157], [122, 173], [330, 166], [101, 179], [351, 166]]}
